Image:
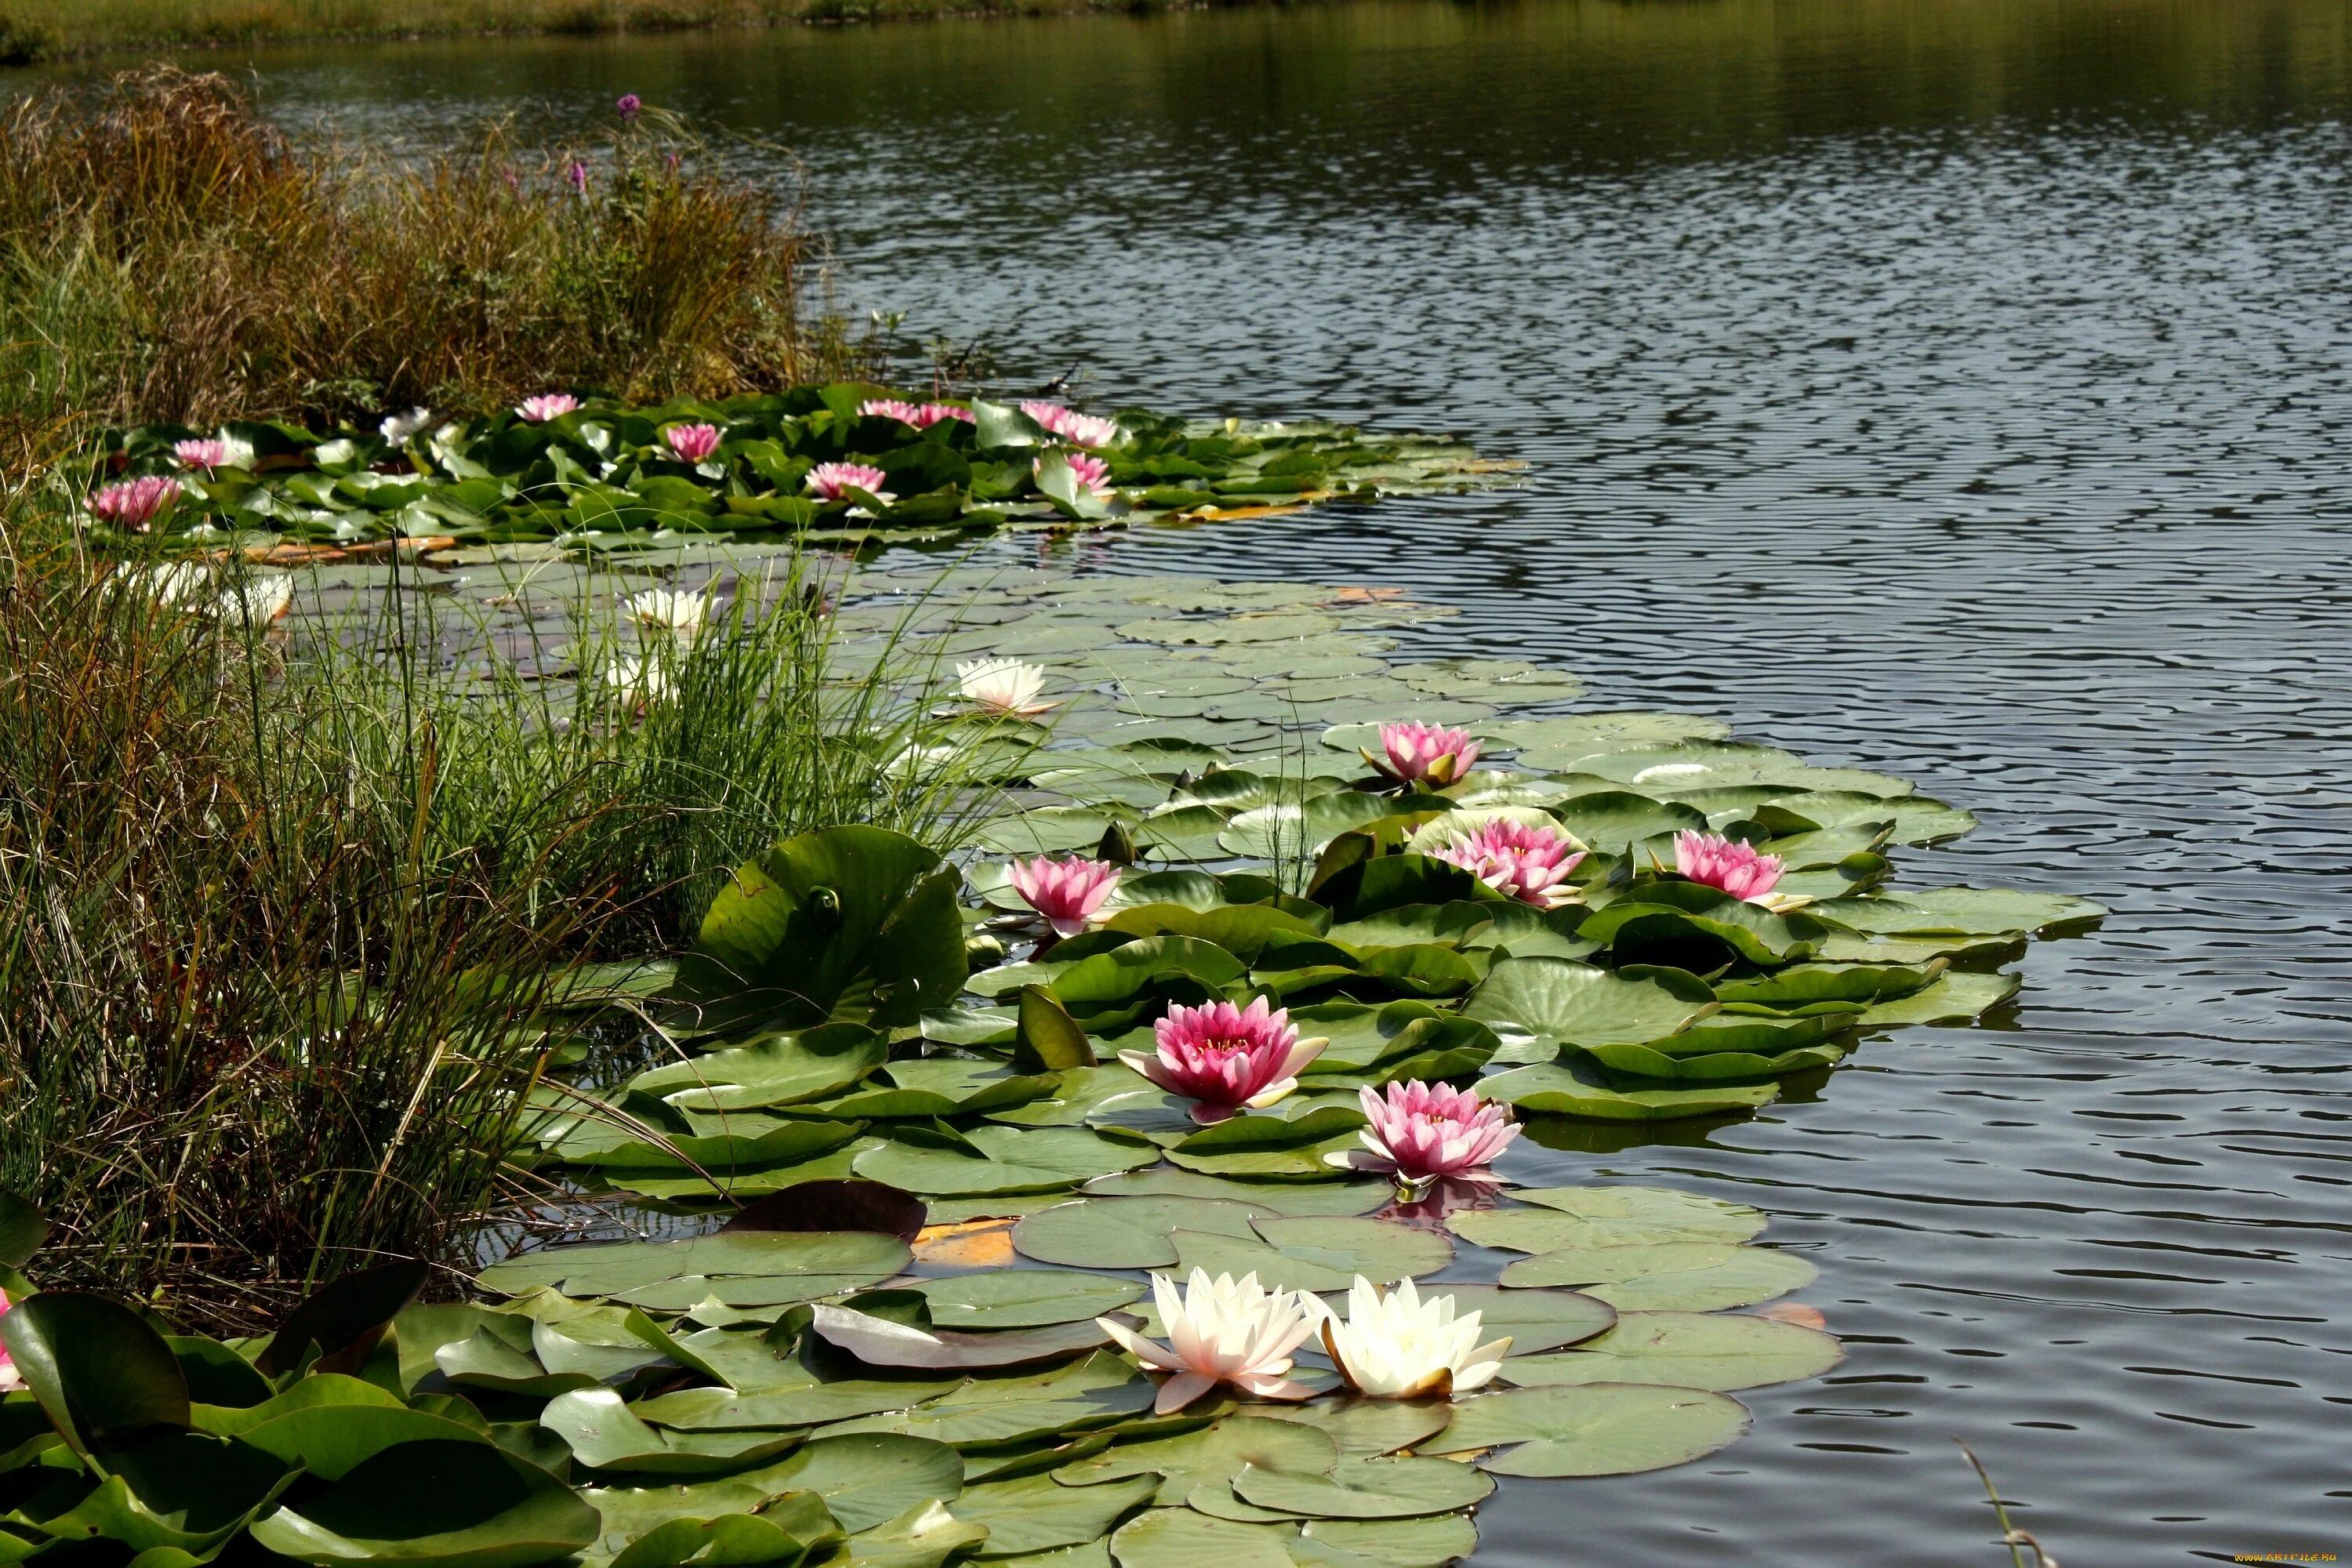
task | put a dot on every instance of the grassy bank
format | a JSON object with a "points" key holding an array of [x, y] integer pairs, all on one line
{"points": [[217, 266], [37, 29]]}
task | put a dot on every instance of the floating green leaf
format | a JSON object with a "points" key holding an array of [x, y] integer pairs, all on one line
{"points": [[1672, 1276], [1718, 1352], [1606, 1429]]}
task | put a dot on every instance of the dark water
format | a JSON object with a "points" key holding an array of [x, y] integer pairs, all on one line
{"points": [[1954, 388]]}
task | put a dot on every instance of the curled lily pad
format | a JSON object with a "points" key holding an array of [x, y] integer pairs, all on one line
{"points": [[1601, 1429], [604, 1434], [1718, 1350], [782, 1069], [857, 923], [881, 1342], [445, 1505], [1955, 998]]}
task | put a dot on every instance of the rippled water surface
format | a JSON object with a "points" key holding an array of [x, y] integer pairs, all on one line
{"points": [[1953, 388]]}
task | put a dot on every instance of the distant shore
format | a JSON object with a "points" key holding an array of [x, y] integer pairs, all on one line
{"points": [[32, 31]]}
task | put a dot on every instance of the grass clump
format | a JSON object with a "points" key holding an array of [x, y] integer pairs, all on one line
{"points": [[285, 914], [170, 255]]}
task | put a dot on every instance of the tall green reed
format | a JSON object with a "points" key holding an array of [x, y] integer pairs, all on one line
{"points": [[281, 909]]}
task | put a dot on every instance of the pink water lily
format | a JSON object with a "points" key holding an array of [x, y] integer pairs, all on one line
{"points": [[1085, 429], [691, 443], [1421, 1131], [1092, 474], [212, 452], [832, 481], [10, 1378], [548, 405], [135, 503], [1726, 863], [891, 408], [931, 413], [1222, 1331], [1424, 753], [1066, 892], [1223, 1057], [1529, 862]]}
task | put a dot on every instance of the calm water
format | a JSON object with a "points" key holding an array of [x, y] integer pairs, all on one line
{"points": [[1955, 388]]}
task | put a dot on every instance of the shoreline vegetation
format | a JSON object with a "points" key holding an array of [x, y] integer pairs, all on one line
{"points": [[33, 31], [229, 270]]}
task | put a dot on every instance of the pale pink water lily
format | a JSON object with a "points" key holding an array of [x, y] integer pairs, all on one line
{"points": [[10, 1378], [1085, 429], [1529, 862], [1066, 892], [691, 443], [1004, 687], [1424, 753], [1223, 1057], [1421, 1131], [897, 408], [931, 413], [547, 405], [832, 481], [1738, 868], [1401, 1346], [133, 504], [209, 452], [1222, 1331]]}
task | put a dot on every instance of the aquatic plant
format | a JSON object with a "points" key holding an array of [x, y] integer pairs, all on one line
{"points": [[1400, 1345], [1421, 1131], [1008, 688], [1222, 1331], [1738, 869], [399, 429], [679, 611], [223, 451], [1527, 861], [1065, 892], [11, 1379], [833, 482], [780, 465], [133, 505], [1223, 1057], [227, 269], [1085, 429], [1415, 753], [546, 406], [692, 443]]}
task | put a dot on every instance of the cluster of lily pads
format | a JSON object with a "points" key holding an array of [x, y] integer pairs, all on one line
{"points": [[846, 463], [1133, 1186]]}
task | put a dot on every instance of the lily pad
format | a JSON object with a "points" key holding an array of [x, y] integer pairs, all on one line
{"points": [[1720, 1352], [783, 1069], [1024, 1297], [997, 1160], [1216, 1453], [1365, 1488], [1557, 998], [815, 1263], [1124, 1233], [1602, 1429], [1034, 1513], [1671, 1276], [1534, 1320], [442, 1504], [1572, 1089], [1316, 1253]]}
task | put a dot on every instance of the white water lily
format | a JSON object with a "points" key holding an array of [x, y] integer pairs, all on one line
{"points": [[399, 429], [259, 600], [1222, 1331], [640, 680], [1399, 1346], [1004, 685], [672, 610]]}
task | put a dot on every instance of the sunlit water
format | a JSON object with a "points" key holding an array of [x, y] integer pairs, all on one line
{"points": [[1957, 389]]}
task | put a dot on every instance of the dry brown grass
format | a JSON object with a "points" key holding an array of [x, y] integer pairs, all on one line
{"points": [[167, 254]]}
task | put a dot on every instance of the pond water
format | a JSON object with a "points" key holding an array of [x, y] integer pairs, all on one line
{"points": [[1957, 389]]}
